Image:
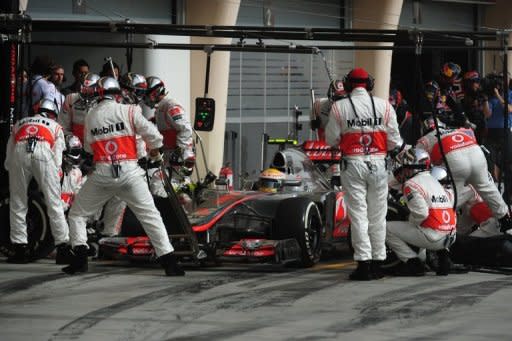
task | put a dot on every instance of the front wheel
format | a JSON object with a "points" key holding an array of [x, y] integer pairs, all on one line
{"points": [[300, 218]]}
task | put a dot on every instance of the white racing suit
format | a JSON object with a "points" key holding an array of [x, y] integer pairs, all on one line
{"points": [[467, 164], [110, 130], [35, 150], [73, 116], [364, 138], [320, 111], [174, 124], [71, 183], [432, 220]]}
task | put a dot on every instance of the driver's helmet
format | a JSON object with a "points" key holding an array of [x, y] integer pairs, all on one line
{"points": [[271, 180], [155, 88], [409, 163], [73, 152], [450, 72], [135, 85]]}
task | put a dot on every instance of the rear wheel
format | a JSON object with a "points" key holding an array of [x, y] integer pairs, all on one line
{"points": [[299, 218], [40, 239]]}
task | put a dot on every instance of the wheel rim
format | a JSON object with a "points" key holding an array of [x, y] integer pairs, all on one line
{"points": [[313, 232]]}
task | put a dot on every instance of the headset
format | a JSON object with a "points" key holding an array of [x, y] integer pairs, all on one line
{"points": [[348, 80]]}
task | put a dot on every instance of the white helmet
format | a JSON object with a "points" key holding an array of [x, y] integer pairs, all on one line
{"points": [[410, 163], [108, 87], [48, 106], [135, 84], [73, 152], [89, 84], [440, 174], [155, 88]]}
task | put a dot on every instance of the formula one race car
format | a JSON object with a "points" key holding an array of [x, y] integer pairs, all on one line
{"points": [[294, 224]]}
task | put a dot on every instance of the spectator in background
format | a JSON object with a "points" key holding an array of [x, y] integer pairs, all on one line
{"points": [[41, 86], [80, 69], [495, 123], [22, 91], [57, 78], [475, 104], [110, 70], [403, 116]]}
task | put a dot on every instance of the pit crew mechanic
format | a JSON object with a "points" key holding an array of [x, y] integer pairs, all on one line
{"points": [[365, 129], [110, 136], [432, 219], [172, 121], [468, 166], [34, 150]]}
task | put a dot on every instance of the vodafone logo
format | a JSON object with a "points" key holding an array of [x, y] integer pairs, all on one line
{"points": [[446, 217], [32, 130], [111, 147], [457, 138], [365, 140]]}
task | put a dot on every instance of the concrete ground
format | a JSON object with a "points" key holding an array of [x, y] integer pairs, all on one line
{"points": [[122, 301]]}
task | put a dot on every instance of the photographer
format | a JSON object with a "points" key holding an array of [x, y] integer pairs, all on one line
{"points": [[495, 139], [475, 104]]}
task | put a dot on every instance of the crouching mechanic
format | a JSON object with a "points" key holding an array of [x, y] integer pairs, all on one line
{"points": [[110, 130], [365, 129], [432, 219], [34, 150], [171, 121]]}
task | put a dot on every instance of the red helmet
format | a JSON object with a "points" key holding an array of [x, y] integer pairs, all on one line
{"points": [[472, 75]]}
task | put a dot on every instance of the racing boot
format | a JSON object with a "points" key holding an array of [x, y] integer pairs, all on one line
{"points": [[20, 256], [78, 262], [505, 223], [63, 255], [376, 269], [363, 272], [170, 265], [443, 260]]}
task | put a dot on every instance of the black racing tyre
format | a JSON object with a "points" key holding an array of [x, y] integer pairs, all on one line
{"points": [[40, 239], [300, 218], [397, 212]]}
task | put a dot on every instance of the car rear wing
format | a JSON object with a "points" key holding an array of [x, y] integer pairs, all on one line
{"points": [[320, 152]]}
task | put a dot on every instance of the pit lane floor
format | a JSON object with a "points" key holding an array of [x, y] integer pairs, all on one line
{"points": [[122, 301]]}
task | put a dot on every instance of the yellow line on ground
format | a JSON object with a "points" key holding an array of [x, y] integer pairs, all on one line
{"points": [[334, 265]]}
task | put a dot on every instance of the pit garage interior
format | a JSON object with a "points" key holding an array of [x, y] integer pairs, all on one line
{"points": [[259, 61]]}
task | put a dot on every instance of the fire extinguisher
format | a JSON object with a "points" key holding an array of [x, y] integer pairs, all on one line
{"points": [[226, 174]]}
